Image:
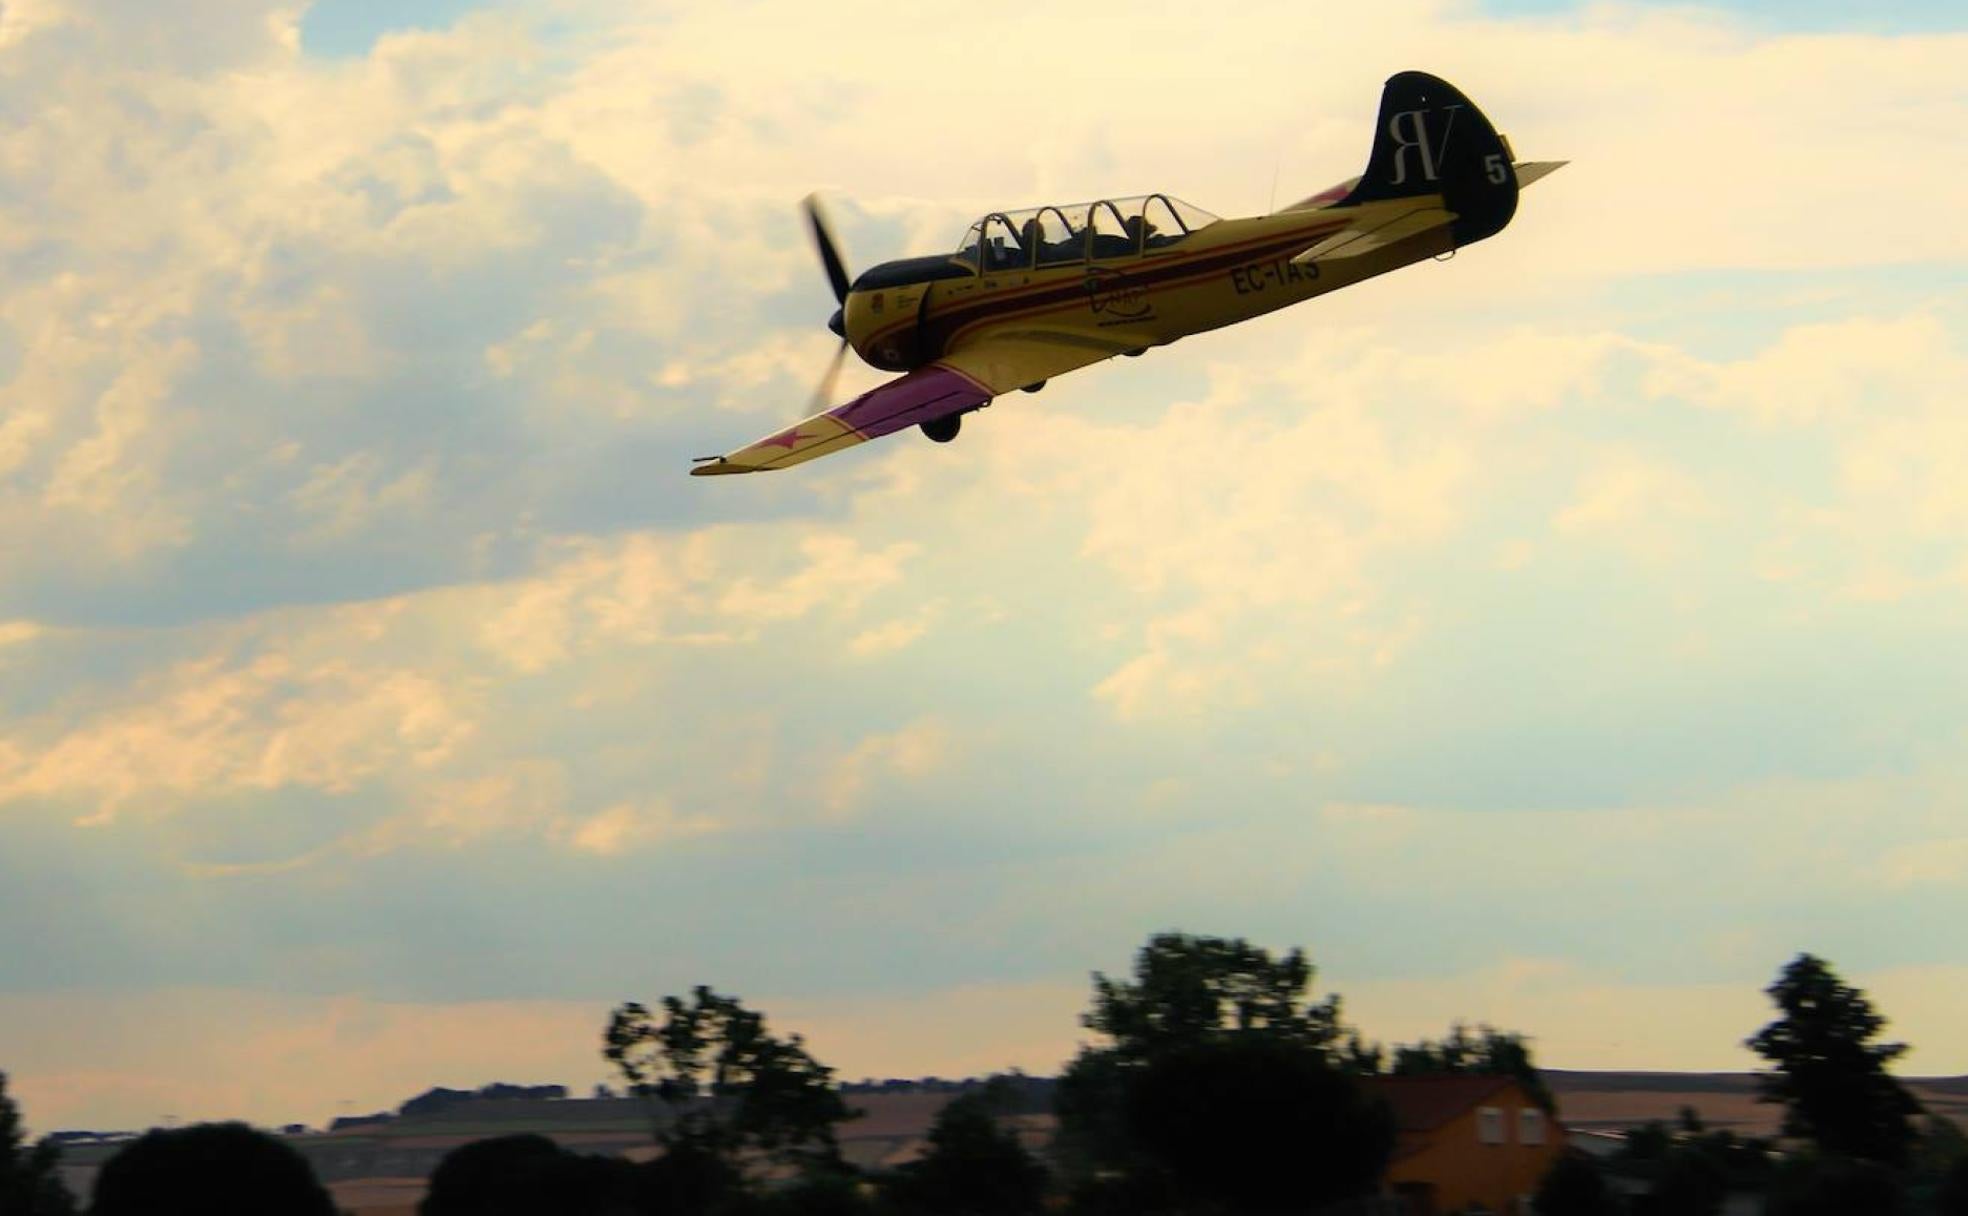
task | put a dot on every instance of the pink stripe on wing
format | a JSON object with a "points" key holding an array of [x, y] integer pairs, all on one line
{"points": [[924, 395]]}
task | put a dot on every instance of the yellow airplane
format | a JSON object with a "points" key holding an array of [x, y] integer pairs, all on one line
{"points": [[1033, 294]]}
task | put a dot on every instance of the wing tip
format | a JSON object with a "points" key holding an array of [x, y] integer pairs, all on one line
{"points": [[718, 466]]}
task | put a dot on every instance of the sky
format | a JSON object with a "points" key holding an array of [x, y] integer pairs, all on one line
{"points": [[1562, 636]]}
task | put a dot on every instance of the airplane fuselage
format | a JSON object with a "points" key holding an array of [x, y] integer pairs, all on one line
{"points": [[1228, 272]]}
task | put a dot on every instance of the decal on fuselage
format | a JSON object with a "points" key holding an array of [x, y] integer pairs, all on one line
{"points": [[1116, 298], [1265, 276]]}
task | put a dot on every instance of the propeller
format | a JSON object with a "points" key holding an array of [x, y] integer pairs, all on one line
{"points": [[823, 238]]}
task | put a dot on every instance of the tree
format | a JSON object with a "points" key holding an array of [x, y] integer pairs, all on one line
{"points": [[1952, 1198], [520, 1175], [206, 1168], [1691, 1183], [30, 1184], [728, 1084], [1220, 1084], [1487, 1052], [1650, 1141], [1256, 1124], [973, 1167], [1573, 1186], [1833, 1186], [1829, 1077], [1187, 989]]}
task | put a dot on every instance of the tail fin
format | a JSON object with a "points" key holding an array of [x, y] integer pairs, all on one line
{"points": [[1430, 139]]}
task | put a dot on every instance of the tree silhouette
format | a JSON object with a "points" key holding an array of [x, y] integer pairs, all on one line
{"points": [[1187, 989], [1573, 1186], [728, 1084], [30, 1184], [1834, 1186], [205, 1170], [973, 1167], [1221, 1084], [522, 1175], [1487, 1052], [1829, 1076], [1259, 1125], [1691, 1183], [1952, 1198]]}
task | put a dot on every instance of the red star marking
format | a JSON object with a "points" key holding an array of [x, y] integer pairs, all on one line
{"points": [[784, 439]]}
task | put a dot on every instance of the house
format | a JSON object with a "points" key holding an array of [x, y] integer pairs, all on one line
{"points": [[1467, 1143]]}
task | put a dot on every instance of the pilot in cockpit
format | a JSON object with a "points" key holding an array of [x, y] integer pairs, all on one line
{"points": [[1142, 232], [1002, 254]]}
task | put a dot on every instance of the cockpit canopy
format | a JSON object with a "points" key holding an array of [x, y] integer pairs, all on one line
{"points": [[1055, 235]]}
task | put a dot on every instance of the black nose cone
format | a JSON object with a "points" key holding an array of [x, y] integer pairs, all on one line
{"points": [[838, 324]]}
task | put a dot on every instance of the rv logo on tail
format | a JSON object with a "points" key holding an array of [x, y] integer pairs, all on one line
{"points": [[1409, 131]]}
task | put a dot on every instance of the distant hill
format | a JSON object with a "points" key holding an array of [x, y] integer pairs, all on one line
{"points": [[1616, 1100]]}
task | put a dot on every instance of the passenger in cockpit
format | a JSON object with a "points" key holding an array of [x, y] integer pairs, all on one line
{"points": [[1029, 236]]}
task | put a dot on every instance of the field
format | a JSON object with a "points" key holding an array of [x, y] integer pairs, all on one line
{"points": [[380, 1170]]}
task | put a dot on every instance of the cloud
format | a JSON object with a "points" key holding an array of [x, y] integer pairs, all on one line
{"points": [[1926, 861], [1628, 500], [627, 826], [414, 701], [208, 727], [893, 635], [913, 753]]}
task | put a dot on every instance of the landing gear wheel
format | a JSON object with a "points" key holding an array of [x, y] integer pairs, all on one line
{"points": [[943, 429]]}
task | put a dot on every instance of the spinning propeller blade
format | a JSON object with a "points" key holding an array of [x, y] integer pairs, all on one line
{"points": [[823, 236], [829, 251], [822, 396]]}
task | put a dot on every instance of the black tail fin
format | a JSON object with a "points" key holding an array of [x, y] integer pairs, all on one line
{"points": [[1430, 139]]}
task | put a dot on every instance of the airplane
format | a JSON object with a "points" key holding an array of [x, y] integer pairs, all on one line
{"points": [[1033, 294]]}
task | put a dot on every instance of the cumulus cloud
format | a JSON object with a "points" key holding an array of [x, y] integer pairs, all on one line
{"points": [[917, 751], [207, 727]]}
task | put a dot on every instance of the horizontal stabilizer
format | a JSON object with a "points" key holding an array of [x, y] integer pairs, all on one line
{"points": [[1529, 171], [1367, 235]]}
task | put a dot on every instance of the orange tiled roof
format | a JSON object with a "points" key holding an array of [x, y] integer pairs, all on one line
{"points": [[1423, 1103]]}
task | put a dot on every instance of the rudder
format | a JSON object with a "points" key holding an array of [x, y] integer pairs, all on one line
{"points": [[1430, 139]]}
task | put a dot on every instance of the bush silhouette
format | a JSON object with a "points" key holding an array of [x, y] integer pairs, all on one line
{"points": [[973, 1167], [521, 1175], [209, 1169], [1574, 1187], [1834, 1186]]}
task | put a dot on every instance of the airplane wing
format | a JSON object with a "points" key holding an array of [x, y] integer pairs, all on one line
{"points": [[1011, 358], [964, 380], [930, 392]]}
